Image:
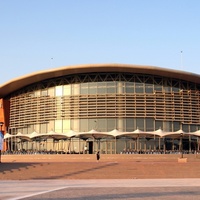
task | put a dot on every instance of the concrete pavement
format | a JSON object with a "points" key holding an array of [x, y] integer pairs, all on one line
{"points": [[74, 177], [101, 189]]}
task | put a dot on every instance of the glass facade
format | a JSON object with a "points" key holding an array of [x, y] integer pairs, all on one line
{"points": [[106, 101]]}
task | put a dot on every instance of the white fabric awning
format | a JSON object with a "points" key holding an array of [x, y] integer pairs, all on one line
{"points": [[8, 135], [93, 134], [102, 135]]}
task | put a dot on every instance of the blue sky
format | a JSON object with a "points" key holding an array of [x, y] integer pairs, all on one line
{"points": [[43, 34]]}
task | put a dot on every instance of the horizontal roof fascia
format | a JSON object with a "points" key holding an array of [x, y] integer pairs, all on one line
{"points": [[18, 83]]}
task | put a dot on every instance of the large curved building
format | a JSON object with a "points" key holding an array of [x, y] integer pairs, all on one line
{"points": [[105, 97]]}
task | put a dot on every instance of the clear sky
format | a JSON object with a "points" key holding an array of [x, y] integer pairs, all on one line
{"points": [[43, 34]]}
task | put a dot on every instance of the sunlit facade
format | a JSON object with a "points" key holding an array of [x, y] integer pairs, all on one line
{"points": [[106, 97]]}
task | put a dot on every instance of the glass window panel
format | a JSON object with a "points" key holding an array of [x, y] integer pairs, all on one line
{"points": [[101, 125], [129, 90], [50, 126], [51, 91], [92, 88], [73, 127], [101, 87], [129, 87], [167, 89], [92, 124], [111, 87], [44, 92], [139, 87], [43, 128], [84, 88], [111, 90], [148, 88], [157, 87], [158, 124], [149, 124], [167, 126], [176, 126], [185, 127], [24, 130], [84, 125], [129, 84], [130, 124], [84, 85], [31, 94], [175, 89], [101, 90], [111, 84], [66, 125], [140, 123], [120, 87], [76, 124], [58, 126], [30, 128], [101, 84], [59, 90], [37, 127], [111, 124], [76, 89], [67, 90], [193, 128], [37, 93]]}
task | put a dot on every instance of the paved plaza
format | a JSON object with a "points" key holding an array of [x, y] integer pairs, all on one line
{"points": [[113, 177]]}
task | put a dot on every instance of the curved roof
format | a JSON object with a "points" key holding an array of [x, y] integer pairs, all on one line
{"points": [[15, 84]]}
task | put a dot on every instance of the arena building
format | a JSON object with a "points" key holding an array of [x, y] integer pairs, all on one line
{"points": [[114, 108]]}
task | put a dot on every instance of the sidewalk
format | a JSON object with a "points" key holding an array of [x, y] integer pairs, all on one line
{"points": [[26, 167], [118, 177], [148, 189]]}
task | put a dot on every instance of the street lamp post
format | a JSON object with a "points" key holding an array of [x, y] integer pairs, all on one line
{"points": [[1, 124]]}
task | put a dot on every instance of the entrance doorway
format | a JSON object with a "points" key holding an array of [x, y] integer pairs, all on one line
{"points": [[90, 147]]}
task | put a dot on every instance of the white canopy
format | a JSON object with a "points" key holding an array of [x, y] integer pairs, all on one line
{"points": [[175, 134], [93, 134], [34, 135], [55, 135], [22, 136], [115, 133], [71, 134], [196, 133], [7, 136], [136, 133], [100, 135]]}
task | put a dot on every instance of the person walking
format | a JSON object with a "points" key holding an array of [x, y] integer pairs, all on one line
{"points": [[98, 156]]}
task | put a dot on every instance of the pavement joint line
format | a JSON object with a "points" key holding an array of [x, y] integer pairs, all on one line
{"points": [[38, 193]]}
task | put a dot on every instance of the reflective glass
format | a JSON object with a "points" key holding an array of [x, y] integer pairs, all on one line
{"points": [[51, 91], [59, 90], [158, 125], [149, 124], [139, 87], [58, 126], [84, 125], [67, 90], [176, 126], [130, 124], [140, 123], [101, 87], [111, 124], [66, 125], [92, 88]]}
